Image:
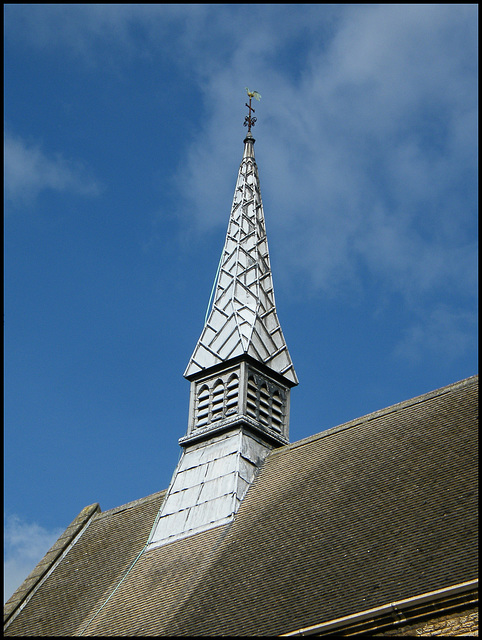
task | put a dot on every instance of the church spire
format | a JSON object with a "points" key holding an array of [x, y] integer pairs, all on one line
{"points": [[243, 319], [240, 373]]}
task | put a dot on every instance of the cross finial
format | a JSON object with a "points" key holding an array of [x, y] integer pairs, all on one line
{"points": [[250, 120]]}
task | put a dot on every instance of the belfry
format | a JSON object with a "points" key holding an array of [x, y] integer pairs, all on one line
{"points": [[240, 372]]}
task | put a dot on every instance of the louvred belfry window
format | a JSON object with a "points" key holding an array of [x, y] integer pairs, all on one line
{"points": [[277, 411], [218, 401], [265, 402], [252, 398], [232, 392], [203, 402]]}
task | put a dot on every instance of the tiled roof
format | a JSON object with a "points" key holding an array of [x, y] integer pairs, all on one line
{"points": [[85, 570], [374, 511]]}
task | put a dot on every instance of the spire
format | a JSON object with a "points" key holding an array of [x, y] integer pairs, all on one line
{"points": [[243, 319], [241, 375]]}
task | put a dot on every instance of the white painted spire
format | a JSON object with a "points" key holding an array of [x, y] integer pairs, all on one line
{"points": [[243, 319]]}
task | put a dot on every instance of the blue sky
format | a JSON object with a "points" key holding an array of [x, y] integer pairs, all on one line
{"points": [[123, 137]]}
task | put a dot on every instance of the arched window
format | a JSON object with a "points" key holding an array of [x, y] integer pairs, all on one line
{"points": [[276, 411], [232, 394], [252, 398], [264, 403], [218, 400], [203, 402]]}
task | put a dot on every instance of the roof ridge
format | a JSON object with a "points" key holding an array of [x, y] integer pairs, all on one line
{"points": [[28, 587], [129, 505], [376, 414]]}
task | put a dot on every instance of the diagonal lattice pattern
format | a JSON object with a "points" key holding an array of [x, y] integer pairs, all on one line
{"points": [[243, 318]]}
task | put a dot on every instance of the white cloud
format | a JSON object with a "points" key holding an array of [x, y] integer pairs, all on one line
{"points": [[445, 332], [28, 171], [365, 154], [25, 545]]}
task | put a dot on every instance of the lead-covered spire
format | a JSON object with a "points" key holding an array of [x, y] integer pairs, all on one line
{"points": [[243, 318], [241, 375]]}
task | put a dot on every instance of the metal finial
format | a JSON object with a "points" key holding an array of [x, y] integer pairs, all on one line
{"points": [[249, 120]]}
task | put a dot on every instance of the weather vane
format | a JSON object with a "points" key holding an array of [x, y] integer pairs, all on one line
{"points": [[250, 120]]}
